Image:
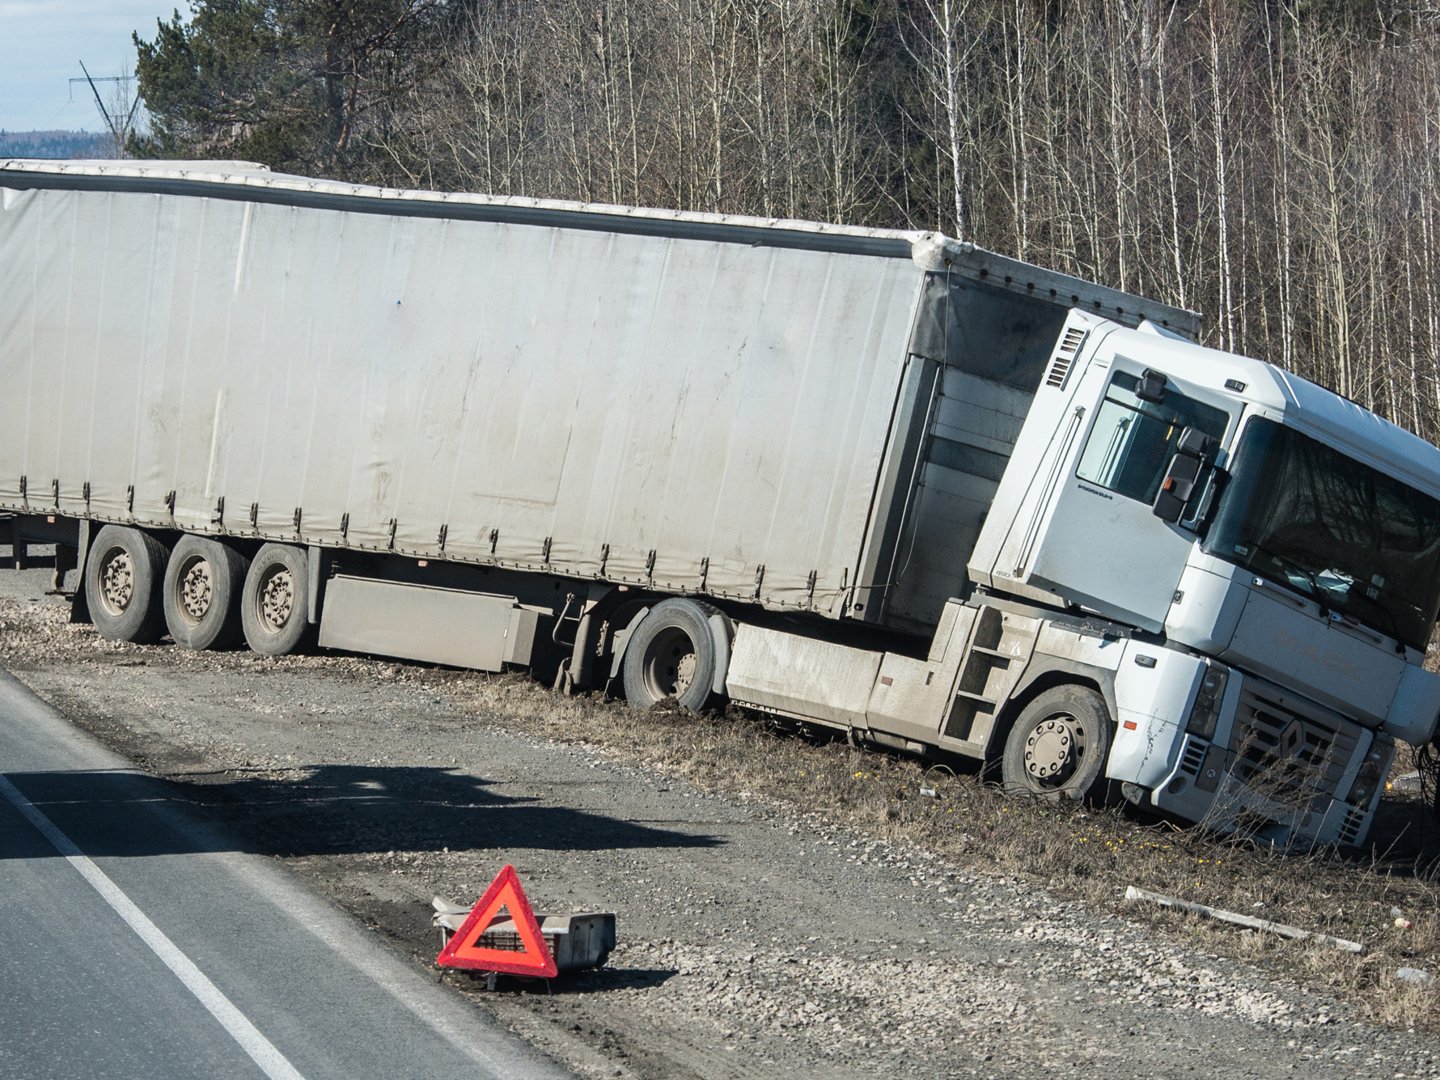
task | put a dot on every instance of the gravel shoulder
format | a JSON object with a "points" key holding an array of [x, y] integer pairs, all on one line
{"points": [[757, 937]]}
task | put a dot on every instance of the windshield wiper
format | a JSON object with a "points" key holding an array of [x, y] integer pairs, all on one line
{"points": [[1318, 592], [1327, 599], [1392, 625]]}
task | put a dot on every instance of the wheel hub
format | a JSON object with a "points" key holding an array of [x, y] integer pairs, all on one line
{"points": [[1050, 749], [670, 664], [277, 599], [684, 673], [197, 588], [117, 581]]}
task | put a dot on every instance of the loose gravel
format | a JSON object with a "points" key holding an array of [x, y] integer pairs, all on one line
{"points": [[757, 938]]}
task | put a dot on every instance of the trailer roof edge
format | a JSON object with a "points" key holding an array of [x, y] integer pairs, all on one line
{"points": [[941, 253], [253, 182]]}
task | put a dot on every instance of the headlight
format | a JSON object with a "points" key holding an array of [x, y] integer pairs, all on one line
{"points": [[1367, 781], [1208, 698]]}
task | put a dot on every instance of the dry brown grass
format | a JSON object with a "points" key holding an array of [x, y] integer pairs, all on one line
{"points": [[1078, 852]]}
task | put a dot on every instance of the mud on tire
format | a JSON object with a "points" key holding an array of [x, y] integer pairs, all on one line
{"points": [[1057, 747], [275, 603], [123, 575], [203, 582], [672, 656]]}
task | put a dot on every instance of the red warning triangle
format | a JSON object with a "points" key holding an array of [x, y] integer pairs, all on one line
{"points": [[464, 950]]}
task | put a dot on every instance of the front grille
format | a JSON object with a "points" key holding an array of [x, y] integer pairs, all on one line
{"points": [[1287, 751]]}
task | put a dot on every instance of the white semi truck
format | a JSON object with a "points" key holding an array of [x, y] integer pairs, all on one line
{"points": [[884, 481]]}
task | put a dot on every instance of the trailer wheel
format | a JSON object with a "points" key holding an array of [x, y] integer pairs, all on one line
{"points": [[1057, 746], [203, 582], [123, 576], [672, 656], [274, 606]]}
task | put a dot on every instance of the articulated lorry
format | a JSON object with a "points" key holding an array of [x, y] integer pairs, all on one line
{"points": [[883, 481]]}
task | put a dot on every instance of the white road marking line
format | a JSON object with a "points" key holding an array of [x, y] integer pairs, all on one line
{"points": [[261, 1050]]}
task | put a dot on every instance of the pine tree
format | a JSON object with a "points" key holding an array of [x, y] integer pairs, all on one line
{"points": [[289, 83]]}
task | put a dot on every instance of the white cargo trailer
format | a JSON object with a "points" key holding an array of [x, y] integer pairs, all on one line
{"points": [[878, 480]]}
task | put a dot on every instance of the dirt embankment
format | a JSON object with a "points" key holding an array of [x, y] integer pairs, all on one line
{"points": [[785, 909]]}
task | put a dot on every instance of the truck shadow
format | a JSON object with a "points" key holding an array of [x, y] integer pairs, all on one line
{"points": [[1404, 840], [320, 810], [584, 981]]}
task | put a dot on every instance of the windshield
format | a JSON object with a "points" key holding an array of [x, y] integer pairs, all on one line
{"points": [[1304, 515]]}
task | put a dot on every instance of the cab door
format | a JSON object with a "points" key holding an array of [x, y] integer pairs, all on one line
{"points": [[1100, 544]]}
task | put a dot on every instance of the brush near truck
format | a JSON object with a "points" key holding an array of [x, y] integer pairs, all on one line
{"points": [[943, 500]]}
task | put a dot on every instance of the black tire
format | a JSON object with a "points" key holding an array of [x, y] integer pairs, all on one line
{"points": [[123, 576], [275, 603], [1057, 747], [672, 656], [203, 582]]}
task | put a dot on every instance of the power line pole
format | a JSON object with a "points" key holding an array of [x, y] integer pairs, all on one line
{"points": [[119, 128]]}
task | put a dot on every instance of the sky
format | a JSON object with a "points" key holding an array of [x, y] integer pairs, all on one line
{"points": [[42, 43]]}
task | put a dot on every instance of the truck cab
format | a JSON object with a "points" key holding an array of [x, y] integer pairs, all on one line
{"points": [[1272, 552]]}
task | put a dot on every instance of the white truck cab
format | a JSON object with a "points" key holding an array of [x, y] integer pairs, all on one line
{"points": [[1275, 550]]}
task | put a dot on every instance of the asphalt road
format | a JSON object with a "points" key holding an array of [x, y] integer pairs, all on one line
{"points": [[136, 942]]}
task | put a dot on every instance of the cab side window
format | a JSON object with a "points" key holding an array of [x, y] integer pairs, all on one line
{"points": [[1133, 440]]}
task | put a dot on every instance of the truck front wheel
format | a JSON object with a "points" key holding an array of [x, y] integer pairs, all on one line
{"points": [[275, 605], [1057, 746], [203, 581], [123, 575], [672, 656]]}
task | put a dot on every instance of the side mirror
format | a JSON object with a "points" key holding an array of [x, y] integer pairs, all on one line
{"points": [[1178, 487], [1151, 387]]}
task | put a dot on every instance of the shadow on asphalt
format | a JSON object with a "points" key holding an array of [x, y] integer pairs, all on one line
{"points": [[583, 981], [325, 810]]}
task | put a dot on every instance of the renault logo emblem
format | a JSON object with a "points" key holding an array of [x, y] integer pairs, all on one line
{"points": [[1292, 740]]}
